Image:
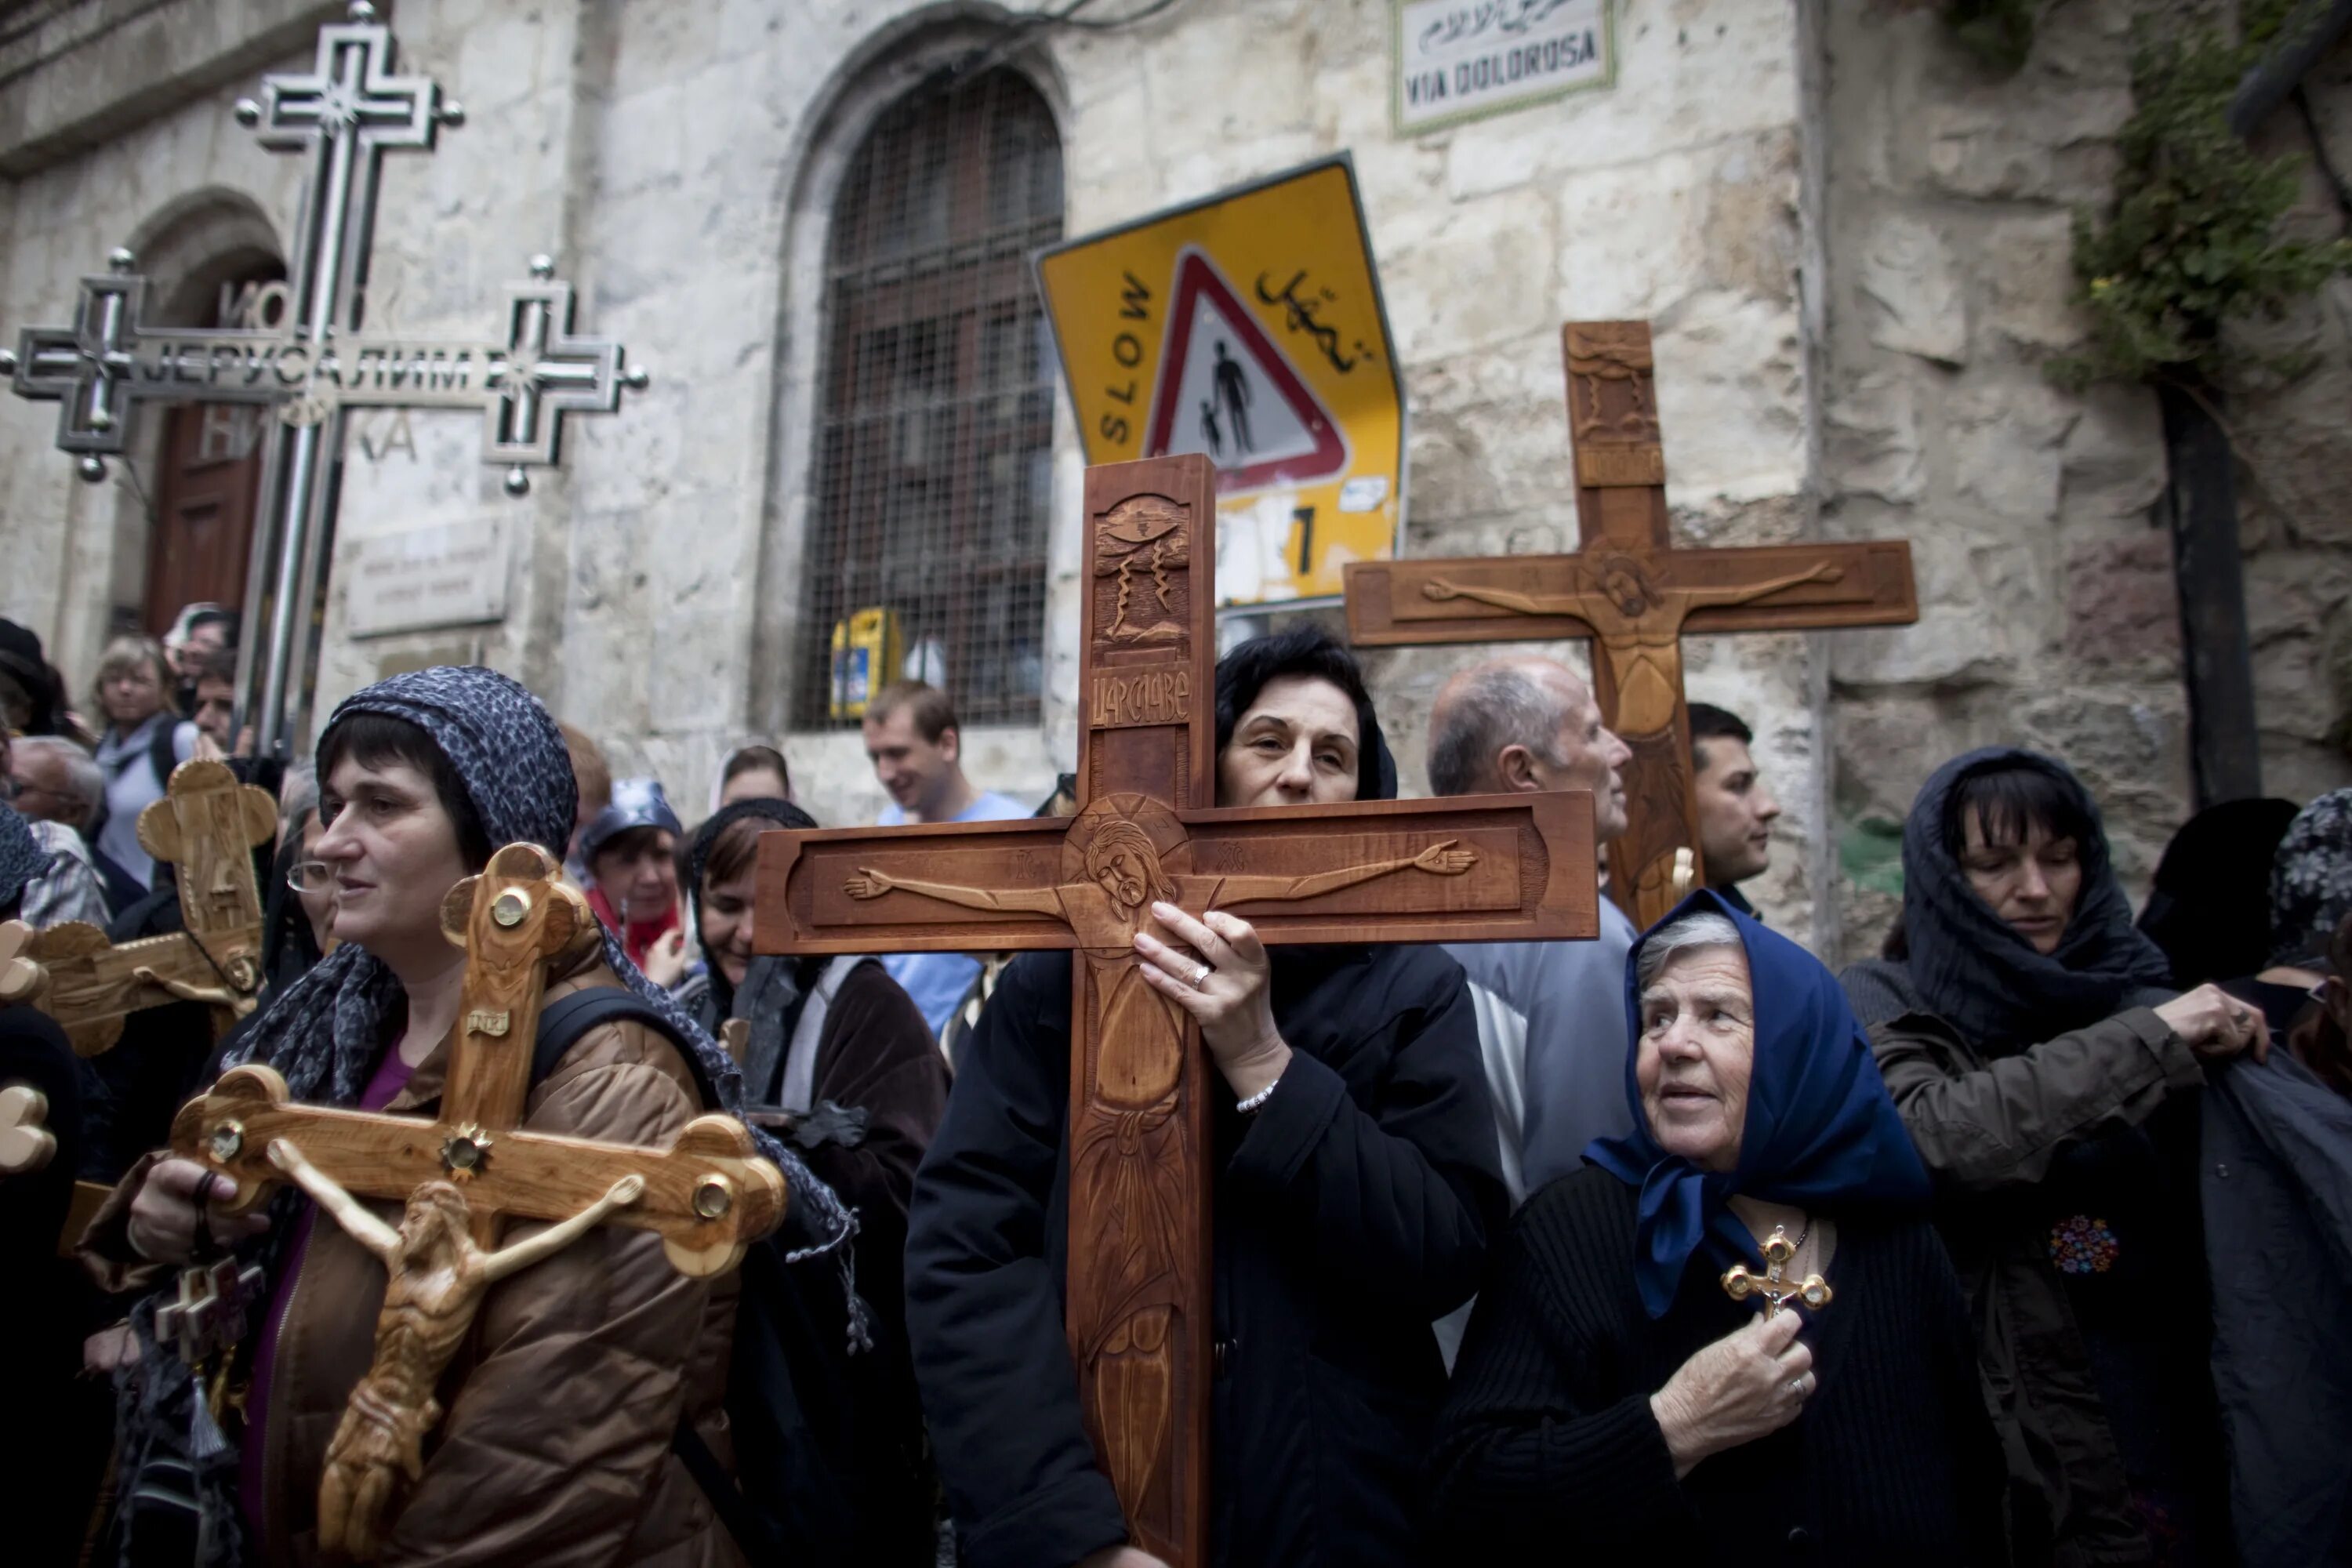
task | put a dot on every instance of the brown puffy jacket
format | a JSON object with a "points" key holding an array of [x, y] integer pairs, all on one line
{"points": [[555, 1448]]}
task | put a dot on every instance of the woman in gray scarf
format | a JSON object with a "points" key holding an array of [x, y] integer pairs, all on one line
{"points": [[580, 1371]]}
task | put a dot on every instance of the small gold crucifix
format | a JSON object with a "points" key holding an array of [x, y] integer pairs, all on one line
{"points": [[1778, 1290]]}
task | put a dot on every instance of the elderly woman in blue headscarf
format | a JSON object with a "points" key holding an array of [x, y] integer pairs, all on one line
{"points": [[580, 1374], [1615, 1397]]}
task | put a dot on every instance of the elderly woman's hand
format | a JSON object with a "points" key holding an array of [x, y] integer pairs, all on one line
{"points": [[1744, 1387]]}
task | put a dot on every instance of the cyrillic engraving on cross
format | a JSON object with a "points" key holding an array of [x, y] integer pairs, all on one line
{"points": [[1502, 868], [1634, 595], [318, 361], [109, 361]]}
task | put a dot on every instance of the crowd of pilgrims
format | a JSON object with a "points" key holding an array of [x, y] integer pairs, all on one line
{"points": [[2080, 1185]]}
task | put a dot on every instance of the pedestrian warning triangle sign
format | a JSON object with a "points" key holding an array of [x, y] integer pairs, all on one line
{"points": [[1226, 389]]}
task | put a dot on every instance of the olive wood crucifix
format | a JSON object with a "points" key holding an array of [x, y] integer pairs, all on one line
{"points": [[462, 1172], [207, 825], [1138, 1312], [1635, 596]]}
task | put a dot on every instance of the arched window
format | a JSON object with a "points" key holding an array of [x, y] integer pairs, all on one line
{"points": [[932, 490]]}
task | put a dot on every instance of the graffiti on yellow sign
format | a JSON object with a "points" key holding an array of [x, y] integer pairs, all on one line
{"points": [[1247, 327]]}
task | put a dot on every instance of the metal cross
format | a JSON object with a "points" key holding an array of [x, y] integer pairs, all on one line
{"points": [[319, 359], [1812, 1290]]}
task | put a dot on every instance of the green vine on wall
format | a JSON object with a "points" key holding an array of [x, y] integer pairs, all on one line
{"points": [[2192, 240]]}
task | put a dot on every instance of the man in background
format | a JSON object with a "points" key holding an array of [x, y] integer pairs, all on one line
{"points": [[1736, 812], [1551, 1015], [917, 749], [57, 787], [215, 706]]}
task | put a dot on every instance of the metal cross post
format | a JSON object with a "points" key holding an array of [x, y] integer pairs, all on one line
{"points": [[315, 362]]}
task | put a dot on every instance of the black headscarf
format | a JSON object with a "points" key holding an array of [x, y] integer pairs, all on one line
{"points": [[2311, 881], [1307, 650], [772, 985], [2210, 907], [1967, 967]]}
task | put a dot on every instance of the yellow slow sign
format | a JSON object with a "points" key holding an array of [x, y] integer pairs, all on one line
{"points": [[1248, 327]]}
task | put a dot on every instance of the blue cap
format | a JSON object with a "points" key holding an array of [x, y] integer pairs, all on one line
{"points": [[636, 802]]}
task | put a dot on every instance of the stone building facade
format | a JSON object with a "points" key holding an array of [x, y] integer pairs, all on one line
{"points": [[1852, 243]]}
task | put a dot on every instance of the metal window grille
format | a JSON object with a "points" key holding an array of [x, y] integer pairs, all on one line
{"points": [[934, 441]]}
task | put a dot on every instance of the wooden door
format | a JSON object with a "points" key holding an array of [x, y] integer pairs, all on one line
{"points": [[202, 532]]}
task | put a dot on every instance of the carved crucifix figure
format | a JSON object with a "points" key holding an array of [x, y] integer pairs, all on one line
{"points": [[1138, 1314], [462, 1173], [207, 825], [434, 1279], [1634, 595]]}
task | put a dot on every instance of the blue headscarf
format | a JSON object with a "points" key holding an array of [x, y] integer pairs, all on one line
{"points": [[1820, 1132]]}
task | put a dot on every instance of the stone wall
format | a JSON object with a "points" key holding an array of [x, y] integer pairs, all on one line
{"points": [[2050, 618], [2294, 433], [1852, 247]]}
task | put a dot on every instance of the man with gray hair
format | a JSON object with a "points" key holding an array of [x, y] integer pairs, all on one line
{"points": [[1551, 1015], [57, 787]]}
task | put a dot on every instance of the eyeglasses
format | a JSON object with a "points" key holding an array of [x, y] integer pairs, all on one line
{"points": [[311, 877]]}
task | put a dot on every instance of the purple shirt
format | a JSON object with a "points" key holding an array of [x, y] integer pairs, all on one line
{"points": [[389, 1080]]}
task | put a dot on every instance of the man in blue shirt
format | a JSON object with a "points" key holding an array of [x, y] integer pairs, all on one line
{"points": [[917, 749]]}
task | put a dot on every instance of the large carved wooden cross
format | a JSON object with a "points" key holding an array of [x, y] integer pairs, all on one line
{"points": [[1492, 868], [207, 825], [1634, 595], [464, 1172]]}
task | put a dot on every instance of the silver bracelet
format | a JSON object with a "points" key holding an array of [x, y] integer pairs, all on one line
{"points": [[1249, 1107]]}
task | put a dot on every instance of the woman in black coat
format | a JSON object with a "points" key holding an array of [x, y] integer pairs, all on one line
{"points": [[1354, 1201], [1614, 1393]]}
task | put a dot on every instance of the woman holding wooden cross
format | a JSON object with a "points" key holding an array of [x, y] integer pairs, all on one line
{"points": [[581, 1371]]}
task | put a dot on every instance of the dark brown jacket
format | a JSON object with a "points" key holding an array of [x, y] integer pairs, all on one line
{"points": [[555, 1446], [1987, 1130]]}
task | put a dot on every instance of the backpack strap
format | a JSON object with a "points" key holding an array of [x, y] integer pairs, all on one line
{"points": [[565, 1021], [751, 1535], [164, 749], [563, 1025]]}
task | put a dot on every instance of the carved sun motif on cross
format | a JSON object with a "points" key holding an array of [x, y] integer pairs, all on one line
{"points": [[339, 108]]}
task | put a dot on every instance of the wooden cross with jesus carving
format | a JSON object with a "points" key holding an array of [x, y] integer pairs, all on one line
{"points": [[1148, 826], [462, 1172], [1634, 595], [206, 826]]}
